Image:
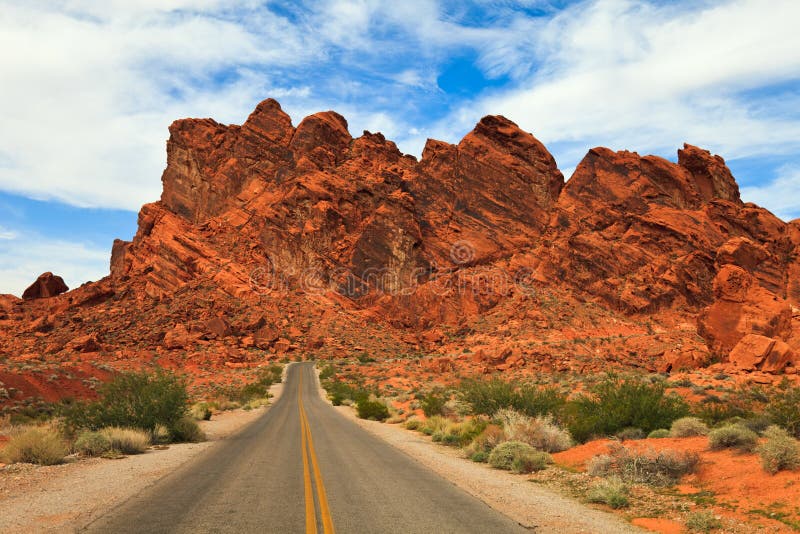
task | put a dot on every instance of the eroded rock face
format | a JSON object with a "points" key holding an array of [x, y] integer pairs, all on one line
{"points": [[742, 307], [256, 218], [47, 285]]}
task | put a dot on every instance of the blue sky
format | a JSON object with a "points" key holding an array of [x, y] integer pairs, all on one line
{"points": [[89, 89]]}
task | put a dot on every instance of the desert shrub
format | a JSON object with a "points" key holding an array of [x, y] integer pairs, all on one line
{"points": [[127, 440], [688, 427], [200, 411], [657, 468], [486, 397], [782, 409], [339, 392], [616, 403], [702, 521], [513, 455], [757, 423], [433, 425], [528, 462], [479, 456], [371, 409], [187, 430], [630, 434], [487, 440], [733, 437], [92, 443], [659, 433], [540, 432], [36, 445], [433, 403], [136, 400], [613, 492], [413, 424], [327, 372], [780, 451], [459, 434]]}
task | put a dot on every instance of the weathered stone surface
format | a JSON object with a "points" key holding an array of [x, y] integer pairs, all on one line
{"points": [[47, 285]]}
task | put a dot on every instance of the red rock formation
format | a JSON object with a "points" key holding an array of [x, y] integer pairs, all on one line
{"points": [[269, 238], [47, 285]]}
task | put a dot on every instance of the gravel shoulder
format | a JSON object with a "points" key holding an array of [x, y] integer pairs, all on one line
{"points": [[67, 497]]}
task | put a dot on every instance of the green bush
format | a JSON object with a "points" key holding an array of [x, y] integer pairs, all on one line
{"points": [[657, 468], [782, 409], [688, 427], [517, 456], [486, 397], [433, 403], [479, 457], [616, 403], [133, 399], [528, 462], [327, 372], [187, 430], [457, 434], [659, 433], [413, 424], [92, 443], [733, 437], [127, 440], [36, 445], [780, 451], [374, 410], [613, 492]]}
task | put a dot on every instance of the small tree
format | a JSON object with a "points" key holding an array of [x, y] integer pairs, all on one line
{"points": [[133, 399]]}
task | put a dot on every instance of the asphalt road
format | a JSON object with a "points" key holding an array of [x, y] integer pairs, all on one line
{"points": [[303, 467]]}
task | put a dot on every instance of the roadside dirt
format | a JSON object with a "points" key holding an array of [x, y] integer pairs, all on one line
{"points": [[64, 498]]}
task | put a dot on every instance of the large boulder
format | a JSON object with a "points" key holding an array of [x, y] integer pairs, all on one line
{"points": [[47, 285], [742, 307], [756, 352]]}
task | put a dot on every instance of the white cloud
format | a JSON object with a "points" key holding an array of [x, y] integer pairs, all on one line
{"points": [[7, 235], [644, 77], [781, 195], [28, 255]]}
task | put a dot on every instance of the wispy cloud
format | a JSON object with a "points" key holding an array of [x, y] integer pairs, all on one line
{"points": [[7, 235], [26, 256], [650, 76], [89, 88], [781, 195]]}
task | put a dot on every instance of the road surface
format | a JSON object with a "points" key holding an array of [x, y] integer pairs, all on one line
{"points": [[303, 467]]}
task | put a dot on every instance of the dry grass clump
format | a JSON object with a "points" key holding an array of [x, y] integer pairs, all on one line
{"points": [[484, 443], [702, 521], [127, 440], [733, 437], [613, 492], [539, 432], [780, 452], [656, 468], [518, 457], [187, 430], [36, 445], [686, 427]]}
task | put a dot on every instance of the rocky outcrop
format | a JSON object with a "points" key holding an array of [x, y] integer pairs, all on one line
{"points": [[266, 234], [742, 307], [47, 285]]}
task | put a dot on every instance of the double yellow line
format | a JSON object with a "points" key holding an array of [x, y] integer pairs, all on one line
{"points": [[308, 452]]}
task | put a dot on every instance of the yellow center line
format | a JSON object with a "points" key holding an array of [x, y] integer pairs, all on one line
{"points": [[308, 443], [311, 515]]}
